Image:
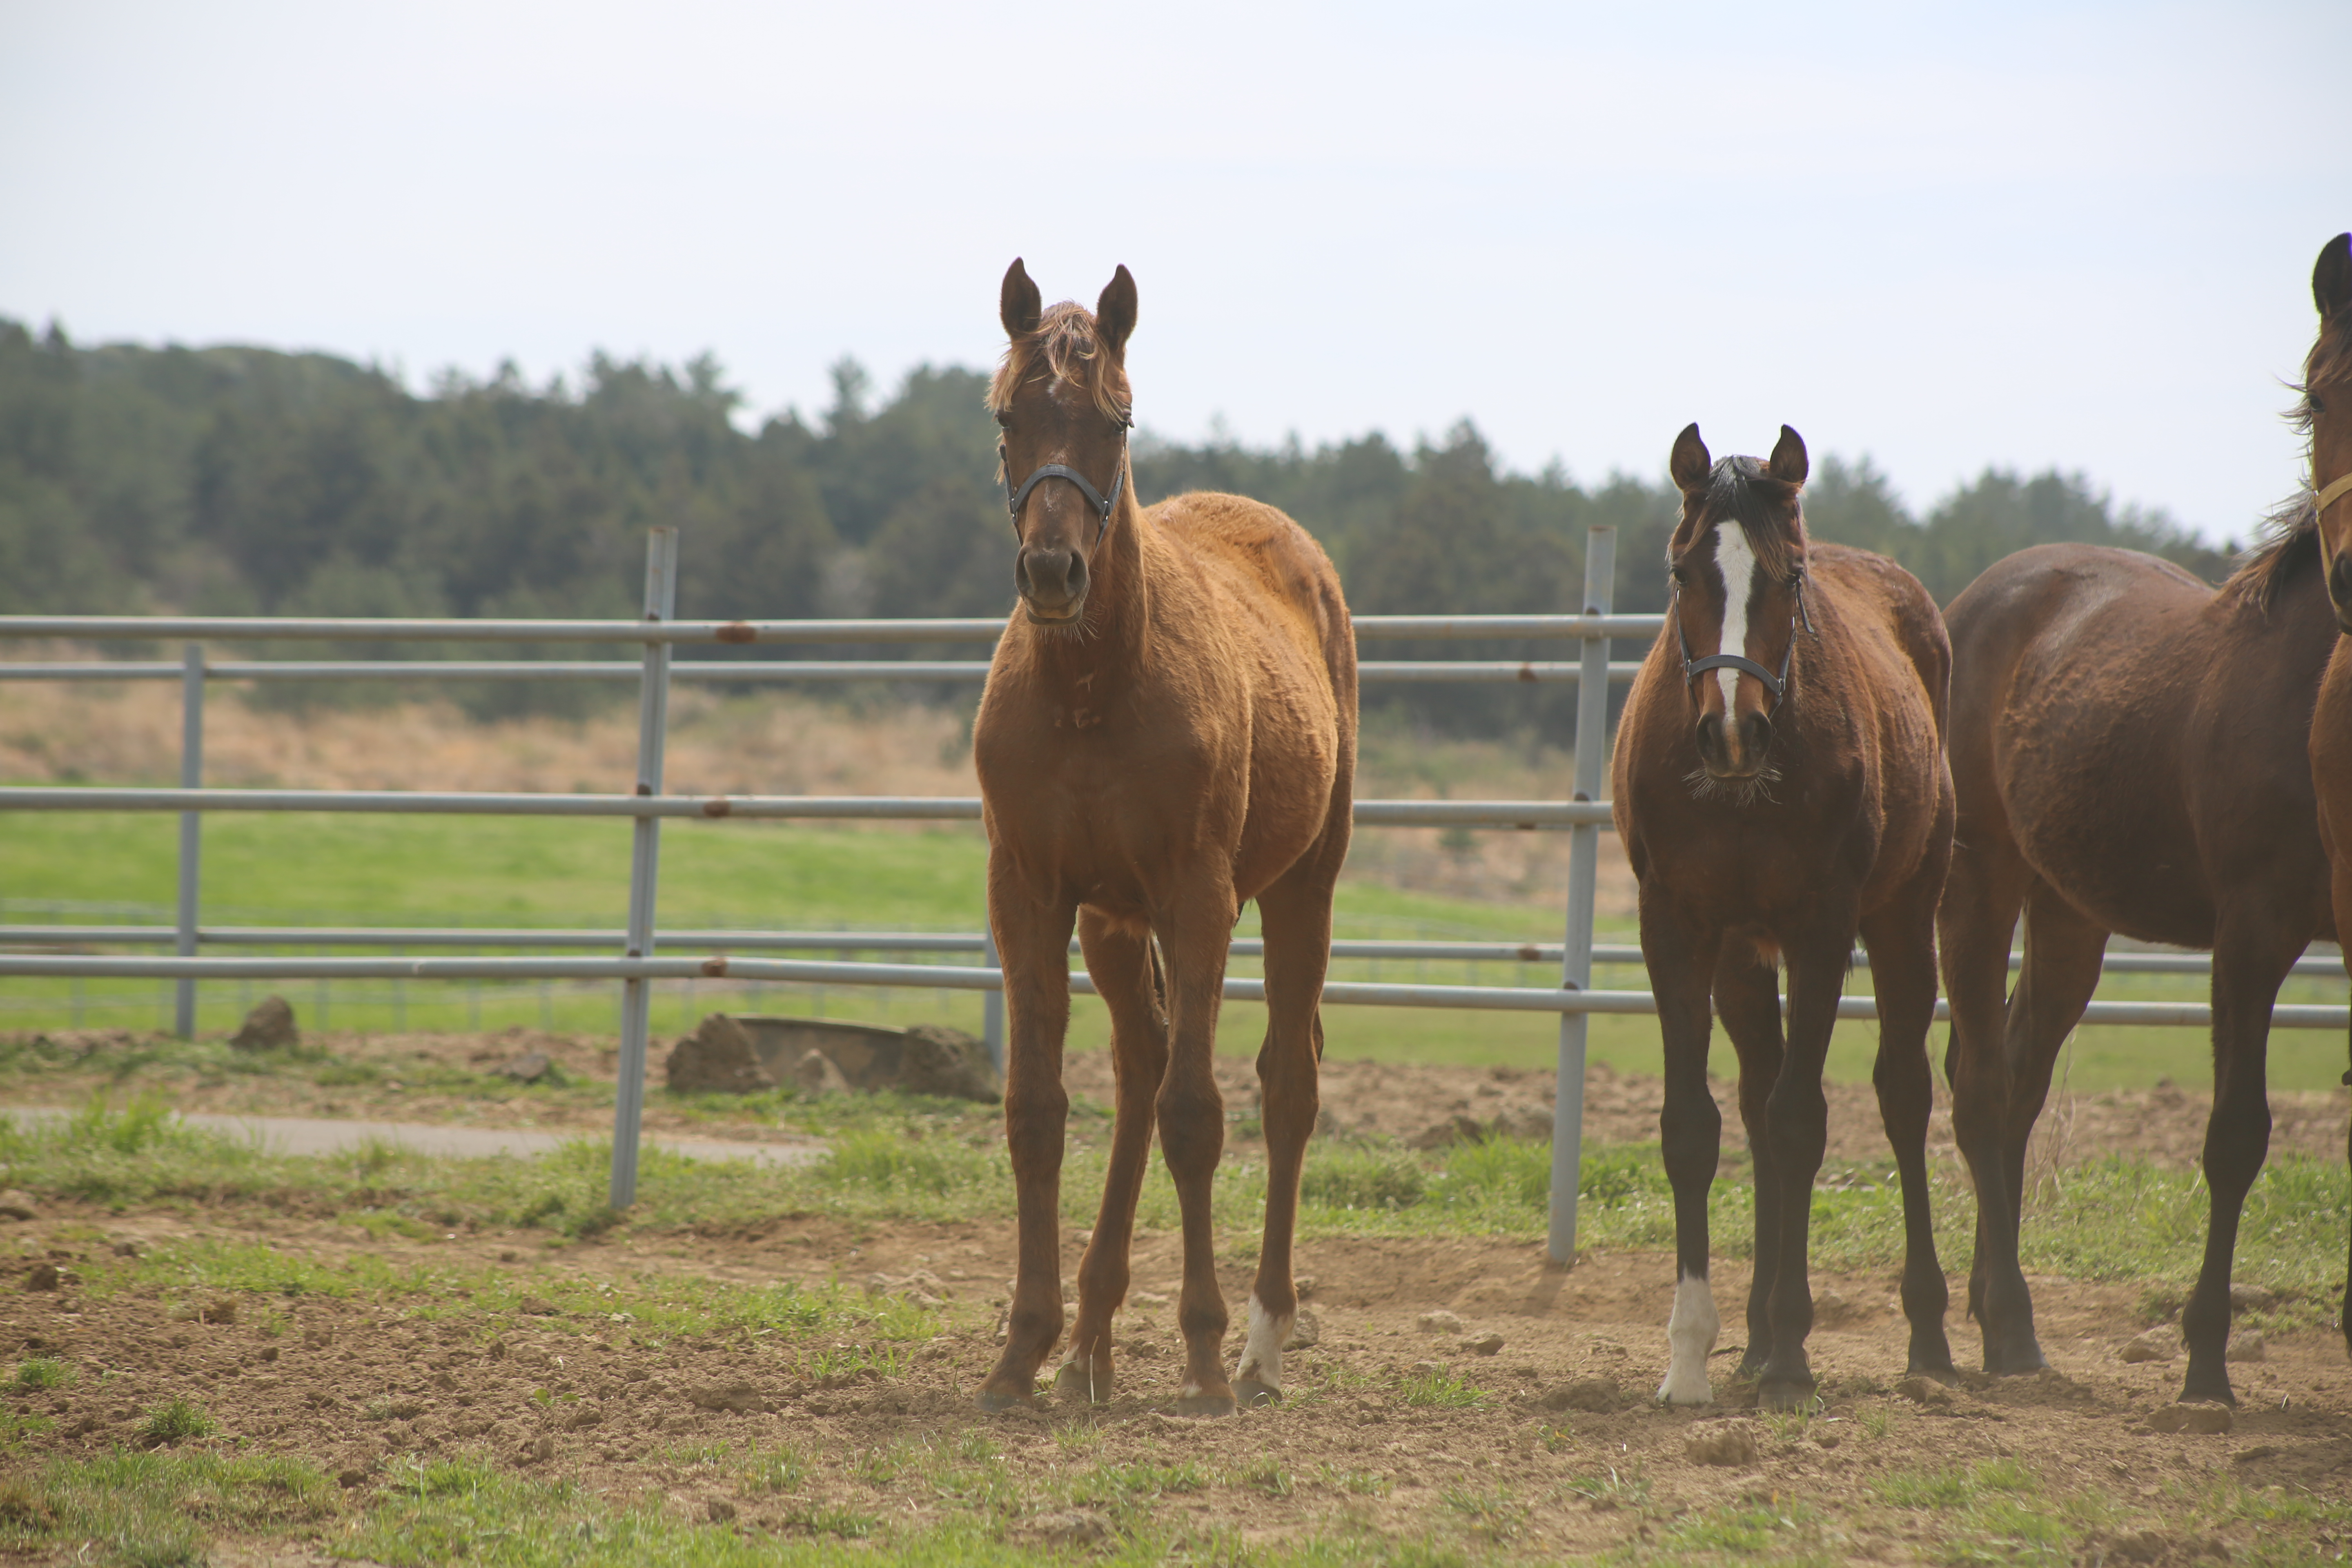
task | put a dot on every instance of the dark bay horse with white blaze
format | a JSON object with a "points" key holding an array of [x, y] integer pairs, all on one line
{"points": [[2133, 752], [1780, 787], [2327, 414], [1169, 730]]}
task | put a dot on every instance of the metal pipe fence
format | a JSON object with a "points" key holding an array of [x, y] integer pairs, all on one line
{"points": [[638, 966]]}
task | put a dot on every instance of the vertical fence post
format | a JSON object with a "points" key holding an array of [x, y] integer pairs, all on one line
{"points": [[645, 865], [1583, 863], [991, 1003], [192, 776]]}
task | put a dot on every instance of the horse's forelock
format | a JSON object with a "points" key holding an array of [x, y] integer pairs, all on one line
{"points": [[1765, 509], [1073, 351]]}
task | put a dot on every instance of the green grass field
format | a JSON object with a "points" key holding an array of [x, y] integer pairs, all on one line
{"points": [[430, 871]]}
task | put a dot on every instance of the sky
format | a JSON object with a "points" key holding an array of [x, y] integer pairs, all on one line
{"points": [[1943, 237]]}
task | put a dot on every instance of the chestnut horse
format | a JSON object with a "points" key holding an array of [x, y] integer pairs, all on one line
{"points": [[2327, 414], [2133, 753], [1169, 731], [1780, 787]]}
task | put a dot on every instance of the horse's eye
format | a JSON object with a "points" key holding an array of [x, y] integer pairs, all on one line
{"points": [[1678, 574]]}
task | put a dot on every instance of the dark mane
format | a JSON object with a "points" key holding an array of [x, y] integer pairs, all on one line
{"points": [[1740, 489], [2290, 546]]}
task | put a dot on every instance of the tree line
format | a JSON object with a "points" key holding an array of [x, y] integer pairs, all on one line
{"points": [[239, 480]]}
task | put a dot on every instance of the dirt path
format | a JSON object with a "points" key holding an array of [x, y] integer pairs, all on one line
{"points": [[325, 1135]]}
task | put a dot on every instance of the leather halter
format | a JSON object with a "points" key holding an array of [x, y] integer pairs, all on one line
{"points": [[1775, 683], [1103, 503], [2336, 492]]}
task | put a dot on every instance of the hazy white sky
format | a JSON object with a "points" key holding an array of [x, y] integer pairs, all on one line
{"points": [[1943, 236]]}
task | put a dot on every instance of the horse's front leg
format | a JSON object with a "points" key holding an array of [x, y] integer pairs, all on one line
{"points": [[1123, 974], [1193, 935], [1681, 963], [1798, 1121], [1748, 997], [1033, 936]]}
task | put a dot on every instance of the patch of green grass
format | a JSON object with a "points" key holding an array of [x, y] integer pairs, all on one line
{"points": [[155, 1508], [175, 1420], [1435, 1390], [1492, 1513], [1778, 1530], [40, 1371]]}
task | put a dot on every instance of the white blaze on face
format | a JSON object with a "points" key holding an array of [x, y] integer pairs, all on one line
{"points": [[1737, 563], [1690, 1333], [1262, 1354]]}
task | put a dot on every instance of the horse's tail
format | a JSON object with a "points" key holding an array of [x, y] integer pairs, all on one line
{"points": [[1158, 983]]}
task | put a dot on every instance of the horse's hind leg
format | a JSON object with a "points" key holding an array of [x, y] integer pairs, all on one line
{"points": [[2255, 945], [1296, 912], [1747, 999], [1902, 946], [1120, 961], [1983, 892], [2063, 949]]}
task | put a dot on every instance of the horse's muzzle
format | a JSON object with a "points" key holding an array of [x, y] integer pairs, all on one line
{"points": [[1051, 583], [1734, 752]]}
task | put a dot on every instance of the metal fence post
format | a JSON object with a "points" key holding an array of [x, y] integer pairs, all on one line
{"points": [[991, 1003], [645, 865], [1583, 863], [192, 776]]}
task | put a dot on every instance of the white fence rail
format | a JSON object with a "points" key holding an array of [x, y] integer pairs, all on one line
{"points": [[29, 950]]}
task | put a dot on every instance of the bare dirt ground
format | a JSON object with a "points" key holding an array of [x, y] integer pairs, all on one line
{"points": [[1562, 1453]]}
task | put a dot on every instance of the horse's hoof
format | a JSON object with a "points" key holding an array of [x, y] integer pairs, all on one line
{"points": [[1206, 1402], [2213, 1388], [994, 1401], [1750, 1368], [1252, 1393], [1942, 1371], [2015, 1361], [1079, 1384], [1786, 1394]]}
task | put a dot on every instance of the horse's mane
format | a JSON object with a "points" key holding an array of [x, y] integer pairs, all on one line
{"points": [[1742, 489], [2289, 547], [2290, 542], [1073, 351]]}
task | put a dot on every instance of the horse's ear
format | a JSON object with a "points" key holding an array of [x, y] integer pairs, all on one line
{"points": [[2331, 281], [1687, 464], [1018, 305], [1788, 464], [1115, 311]]}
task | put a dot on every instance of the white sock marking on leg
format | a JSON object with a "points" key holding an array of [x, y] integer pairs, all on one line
{"points": [[1262, 1353], [1690, 1333]]}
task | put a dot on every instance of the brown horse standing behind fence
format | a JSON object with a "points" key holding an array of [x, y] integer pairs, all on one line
{"points": [[1169, 731], [2326, 412], [1780, 793], [2133, 753]]}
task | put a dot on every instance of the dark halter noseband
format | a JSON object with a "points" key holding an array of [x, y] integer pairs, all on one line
{"points": [[1103, 503], [1776, 684]]}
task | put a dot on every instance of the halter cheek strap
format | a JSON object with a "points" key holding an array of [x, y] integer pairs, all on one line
{"points": [[2334, 493], [1776, 683]]}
